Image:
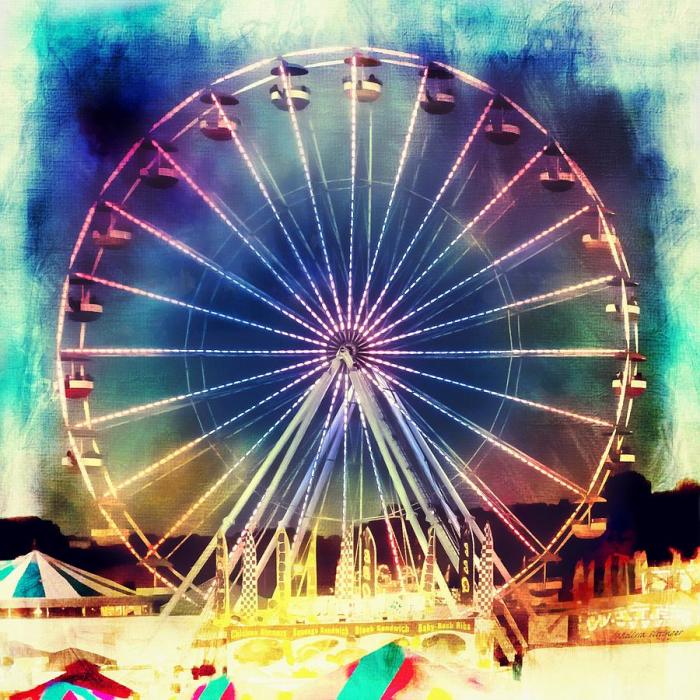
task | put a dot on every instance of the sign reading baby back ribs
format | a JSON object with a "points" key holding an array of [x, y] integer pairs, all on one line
{"points": [[350, 629]]}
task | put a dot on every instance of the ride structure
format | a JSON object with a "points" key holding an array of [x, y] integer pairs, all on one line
{"points": [[309, 323]]}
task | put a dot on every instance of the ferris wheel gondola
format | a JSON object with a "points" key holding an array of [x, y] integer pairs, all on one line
{"points": [[365, 87], [298, 95], [557, 177], [500, 129], [439, 97], [219, 125], [156, 173]]}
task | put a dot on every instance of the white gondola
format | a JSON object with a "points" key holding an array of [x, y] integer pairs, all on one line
{"points": [[299, 95], [78, 386], [84, 310], [621, 457], [603, 239], [499, 129], [85, 307], [215, 126], [158, 174], [636, 385], [157, 563], [438, 97], [160, 177], [632, 309], [590, 529], [368, 88], [219, 128], [113, 237], [556, 178], [91, 459], [598, 242]]}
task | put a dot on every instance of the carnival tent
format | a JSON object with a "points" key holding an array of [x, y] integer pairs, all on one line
{"points": [[81, 678], [35, 577], [60, 660]]}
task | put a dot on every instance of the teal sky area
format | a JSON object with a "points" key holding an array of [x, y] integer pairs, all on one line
{"points": [[617, 83]]}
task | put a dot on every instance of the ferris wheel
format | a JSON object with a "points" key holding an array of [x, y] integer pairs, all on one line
{"points": [[339, 284]]}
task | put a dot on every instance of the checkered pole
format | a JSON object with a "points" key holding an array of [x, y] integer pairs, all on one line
{"points": [[249, 586], [485, 589]]}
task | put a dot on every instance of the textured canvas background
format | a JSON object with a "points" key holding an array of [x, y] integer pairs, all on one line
{"points": [[617, 82]]}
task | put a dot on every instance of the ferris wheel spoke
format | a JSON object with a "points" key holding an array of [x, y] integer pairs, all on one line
{"points": [[229, 435], [217, 269], [301, 236], [450, 176], [185, 305], [517, 454], [590, 420], [145, 409], [484, 210], [556, 296], [399, 171], [92, 352], [327, 192], [314, 465], [344, 518], [514, 525], [494, 265], [614, 353], [263, 190], [209, 201], [353, 178], [307, 176], [434, 283], [476, 484], [218, 483], [182, 449]]}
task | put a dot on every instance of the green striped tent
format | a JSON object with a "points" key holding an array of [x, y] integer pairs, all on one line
{"points": [[39, 579]]}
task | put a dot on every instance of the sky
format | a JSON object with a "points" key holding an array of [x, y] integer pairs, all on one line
{"points": [[617, 83]]}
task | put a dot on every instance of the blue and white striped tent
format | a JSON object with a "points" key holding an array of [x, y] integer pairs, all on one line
{"points": [[38, 579]]}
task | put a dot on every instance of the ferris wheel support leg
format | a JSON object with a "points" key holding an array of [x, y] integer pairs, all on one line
{"points": [[288, 514], [452, 491], [459, 502], [333, 440], [371, 411], [308, 408], [419, 453], [440, 531], [298, 496], [274, 484]]}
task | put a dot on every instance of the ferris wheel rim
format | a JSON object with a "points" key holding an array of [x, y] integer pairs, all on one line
{"points": [[459, 74]]}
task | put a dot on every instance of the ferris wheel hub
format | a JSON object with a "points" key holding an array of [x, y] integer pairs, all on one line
{"points": [[347, 353]]}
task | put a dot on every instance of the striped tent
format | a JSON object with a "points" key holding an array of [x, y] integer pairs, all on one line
{"points": [[81, 681], [37, 578]]}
